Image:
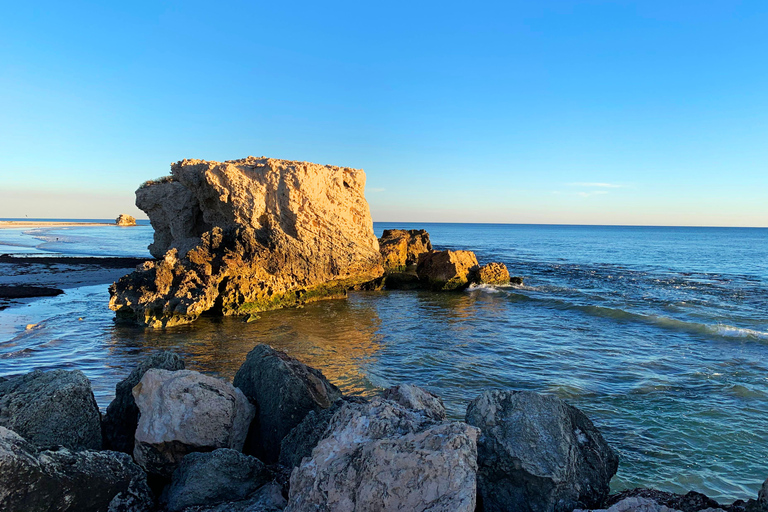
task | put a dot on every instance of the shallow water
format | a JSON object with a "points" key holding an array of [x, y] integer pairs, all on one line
{"points": [[659, 334]]}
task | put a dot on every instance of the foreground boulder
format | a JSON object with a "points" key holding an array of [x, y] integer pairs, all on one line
{"points": [[536, 453], [446, 270], [381, 456], [400, 248], [185, 411], [52, 409], [268, 498], [284, 390], [122, 417], [216, 477], [63, 480], [249, 235], [417, 399], [492, 273], [125, 220]]}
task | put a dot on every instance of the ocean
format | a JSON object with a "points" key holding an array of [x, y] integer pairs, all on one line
{"points": [[659, 334]]}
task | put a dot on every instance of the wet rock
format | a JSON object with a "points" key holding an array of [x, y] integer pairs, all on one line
{"points": [[446, 270], [417, 399], [634, 505], [119, 423], [64, 480], [690, 502], [762, 496], [125, 220], [516, 280], [249, 235], [537, 453], [284, 390], [381, 456], [492, 273], [15, 291], [401, 248], [216, 477], [52, 409], [402, 281], [185, 411], [268, 498]]}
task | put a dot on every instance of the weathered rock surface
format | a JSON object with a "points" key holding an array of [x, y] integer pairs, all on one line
{"points": [[52, 409], [417, 399], [401, 248], [119, 423], [492, 273], [249, 235], [185, 411], [446, 270], [536, 453], [284, 390], [300, 441], [63, 480], [215, 477], [634, 505], [268, 498], [381, 456], [689, 502], [125, 220]]}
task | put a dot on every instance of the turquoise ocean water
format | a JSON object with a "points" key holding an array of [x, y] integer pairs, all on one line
{"points": [[659, 334]]}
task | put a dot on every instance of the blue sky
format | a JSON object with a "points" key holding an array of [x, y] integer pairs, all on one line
{"points": [[590, 112]]}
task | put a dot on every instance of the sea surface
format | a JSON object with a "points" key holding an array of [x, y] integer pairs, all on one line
{"points": [[660, 335]]}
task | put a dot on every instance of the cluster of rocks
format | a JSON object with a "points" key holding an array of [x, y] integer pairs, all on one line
{"points": [[411, 263], [125, 220], [284, 438]]}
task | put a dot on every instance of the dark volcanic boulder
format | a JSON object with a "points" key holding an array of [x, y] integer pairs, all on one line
{"points": [[63, 480], [284, 390], [119, 423], [538, 454], [492, 273], [401, 248], [52, 409], [446, 270], [249, 235], [215, 477]]}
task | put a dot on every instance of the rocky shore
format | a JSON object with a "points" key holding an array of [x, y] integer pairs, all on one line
{"points": [[282, 437]]}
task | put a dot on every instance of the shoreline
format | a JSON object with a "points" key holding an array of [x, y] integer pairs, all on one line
{"points": [[10, 224]]}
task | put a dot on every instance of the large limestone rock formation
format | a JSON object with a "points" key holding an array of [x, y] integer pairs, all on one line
{"points": [[249, 235], [401, 248], [125, 220], [492, 273], [381, 456], [446, 270], [63, 480], [538, 454], [185, 411], [52, 409]]}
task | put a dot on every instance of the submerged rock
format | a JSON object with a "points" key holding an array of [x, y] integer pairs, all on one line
{"points": [[284, 390], [538, 454], [185, 411], [216, 477], [119, 424], [63, 480], [492, 273], [249, 235], [401, 248], [446, 270], [125, 220], [381, 456], [52, 409]]}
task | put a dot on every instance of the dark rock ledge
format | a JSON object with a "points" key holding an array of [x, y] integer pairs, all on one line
{"points": [[286, 439]]}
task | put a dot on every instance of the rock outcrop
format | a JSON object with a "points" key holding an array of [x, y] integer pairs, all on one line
{"points": [[185, 411], [492, 273], [125, 220], [52, 409], [417, 399], [284, 390], [538, 454], [119, 423], [249, 235], [381, 456], [216, 477], [63, 480], [446, 270], [401, 248]]}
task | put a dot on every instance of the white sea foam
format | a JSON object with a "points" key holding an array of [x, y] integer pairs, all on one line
{"points": [[737, 332]]}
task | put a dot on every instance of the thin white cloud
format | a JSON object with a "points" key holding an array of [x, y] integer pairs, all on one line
{"points": [[595, 185], [592, 193], [375, 189]]}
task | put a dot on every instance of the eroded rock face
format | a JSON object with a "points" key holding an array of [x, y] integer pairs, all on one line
{"points": [[381, 456], [63, 480], [185, 411], [125, 220], [417, 399], [52, 409], [249, 235], [216, 477], [284, 390], [446, 270], [119, 423], [401, 248], [492, 273], [536, 453]]}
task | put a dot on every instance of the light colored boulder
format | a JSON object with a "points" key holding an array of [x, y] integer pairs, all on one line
{"points": [[446, 270], [492, 273], [125, 220], [401, 248], [417, 399], [249, 235], [185, 411], [635, 504], [381, 456]]}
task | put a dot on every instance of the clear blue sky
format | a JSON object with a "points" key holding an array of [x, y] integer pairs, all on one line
{"points": [[598, 112]]}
